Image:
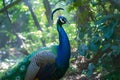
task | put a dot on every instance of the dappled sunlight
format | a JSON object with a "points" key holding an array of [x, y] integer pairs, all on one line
{"points": [[93, 30], [6, 65]]}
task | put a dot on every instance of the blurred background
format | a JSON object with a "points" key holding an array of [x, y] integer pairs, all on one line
{"points": [[94, 34]]}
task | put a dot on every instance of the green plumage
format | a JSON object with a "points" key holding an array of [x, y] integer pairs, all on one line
{"points": [[18, 72]]}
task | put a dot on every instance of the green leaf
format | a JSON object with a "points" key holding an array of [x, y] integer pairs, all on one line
{"points": [[83, 49], [81, 35], [108, 30], [90, 68], [116, 49], [93, 47], [103, 19], [106, 46]]}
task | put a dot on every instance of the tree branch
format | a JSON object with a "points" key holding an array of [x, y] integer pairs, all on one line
{"points": [[9, 6], [6, 12], [48, 12], [33, 14]]}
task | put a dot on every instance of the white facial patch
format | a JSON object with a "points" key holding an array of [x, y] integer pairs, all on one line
{"points": [[62, 20]]}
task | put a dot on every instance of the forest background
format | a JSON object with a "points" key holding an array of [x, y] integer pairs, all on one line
{"points": [[94, 33]]}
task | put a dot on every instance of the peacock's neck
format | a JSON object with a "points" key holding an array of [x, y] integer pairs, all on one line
{"points": [[63, 54]]}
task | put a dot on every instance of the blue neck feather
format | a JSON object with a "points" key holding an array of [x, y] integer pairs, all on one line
{"points": [[63, 54]]}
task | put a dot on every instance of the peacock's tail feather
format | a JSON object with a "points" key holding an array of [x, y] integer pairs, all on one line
{"points": [[18, 72]]}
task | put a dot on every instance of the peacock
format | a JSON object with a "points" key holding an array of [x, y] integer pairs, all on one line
{"points": [[49, 63]]}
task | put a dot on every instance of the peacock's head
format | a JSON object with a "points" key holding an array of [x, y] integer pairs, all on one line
{"points": [[62, 20]]}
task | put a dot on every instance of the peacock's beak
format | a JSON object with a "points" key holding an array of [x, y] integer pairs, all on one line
{"points": [[67, 22]]}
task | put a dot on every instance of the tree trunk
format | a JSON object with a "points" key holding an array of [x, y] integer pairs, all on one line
{"points": [[9, 6], [33, 15], [11, 24], [35, 19], [48, 12]]}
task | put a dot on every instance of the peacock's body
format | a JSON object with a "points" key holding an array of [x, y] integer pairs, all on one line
{"points": [[49, 63]]}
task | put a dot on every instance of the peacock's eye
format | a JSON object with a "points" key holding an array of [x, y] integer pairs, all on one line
{"points": [[63, 20]]}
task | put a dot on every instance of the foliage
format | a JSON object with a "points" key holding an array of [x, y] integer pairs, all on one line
{"points": [[98, 33], [24, 26], [94, 31]]}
